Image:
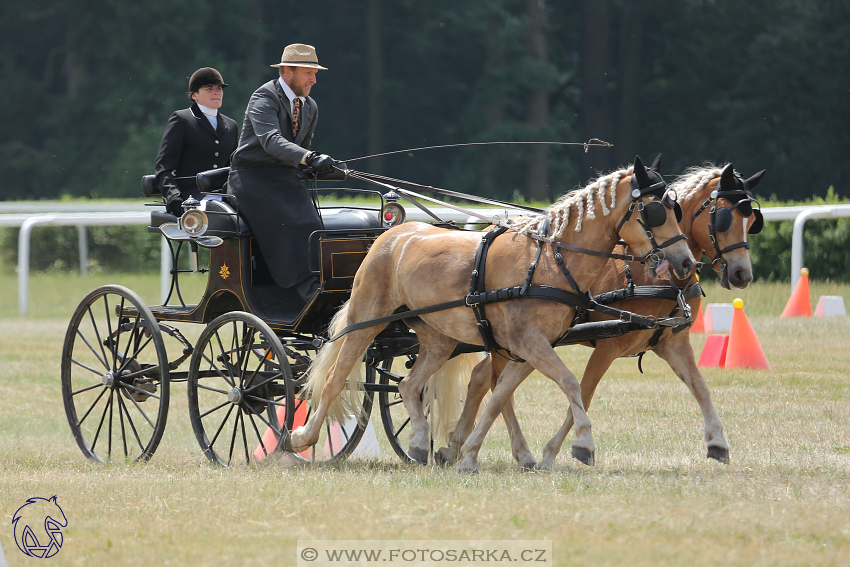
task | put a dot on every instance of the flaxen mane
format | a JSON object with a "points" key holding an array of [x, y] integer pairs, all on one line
{"points": [[693, 179], [584, 200]]}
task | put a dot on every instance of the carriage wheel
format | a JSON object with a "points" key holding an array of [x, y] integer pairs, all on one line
{"points": [[239, 390], [337, 441], [393, 413], [115, 376]]}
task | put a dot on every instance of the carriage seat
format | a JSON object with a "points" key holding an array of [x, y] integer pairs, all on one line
{"points": [[349, 219], [210, 181]]}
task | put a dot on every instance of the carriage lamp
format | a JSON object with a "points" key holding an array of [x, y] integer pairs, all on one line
{"points": [[392, 213], [194, 222]]}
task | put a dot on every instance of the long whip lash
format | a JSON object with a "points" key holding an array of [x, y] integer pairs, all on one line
{"points": [[588, 144]]}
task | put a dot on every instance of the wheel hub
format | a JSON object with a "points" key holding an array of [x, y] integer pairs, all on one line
{"points": [[234, 396], [108, 379]]}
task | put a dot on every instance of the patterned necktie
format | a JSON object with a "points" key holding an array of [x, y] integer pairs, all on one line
{"points": [[296, 110]]}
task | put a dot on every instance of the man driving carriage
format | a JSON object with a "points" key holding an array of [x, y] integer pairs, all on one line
{"points": [[276, 136]]}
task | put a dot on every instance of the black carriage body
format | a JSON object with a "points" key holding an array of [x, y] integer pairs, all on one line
{"points": [[239, 278]]}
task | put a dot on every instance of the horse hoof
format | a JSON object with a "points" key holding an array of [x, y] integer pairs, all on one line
{"points": [[418, 455], [586, 456], [285, 443], [440, 458], [719, 454], [467, 470]]}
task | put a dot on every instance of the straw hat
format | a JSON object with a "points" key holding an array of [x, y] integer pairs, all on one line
{"points": [[299, 55]]}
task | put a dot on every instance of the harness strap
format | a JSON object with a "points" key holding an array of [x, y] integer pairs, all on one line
{"points": [[476, 286]]}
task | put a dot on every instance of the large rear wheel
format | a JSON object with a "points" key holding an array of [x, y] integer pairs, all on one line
{"points": [[394, 415], [115, 383]]}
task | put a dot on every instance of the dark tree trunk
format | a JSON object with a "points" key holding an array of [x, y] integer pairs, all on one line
{"points": [[631, 48], [376, 78], [595, 105], [494, 113], [537, 177]]}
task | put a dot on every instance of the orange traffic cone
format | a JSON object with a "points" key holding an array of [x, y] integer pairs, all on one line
{"points": [[269, 442], [698, 326], [744, 350], [799, 304], [714, 352]]}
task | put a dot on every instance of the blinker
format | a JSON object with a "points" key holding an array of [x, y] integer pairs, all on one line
{"points": [[722, 216]]}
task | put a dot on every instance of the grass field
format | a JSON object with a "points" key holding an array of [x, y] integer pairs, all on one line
{"points": [[652, 498]]}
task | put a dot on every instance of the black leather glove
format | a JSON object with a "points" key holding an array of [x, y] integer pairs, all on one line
{"points": [[175, 207], [321, 163]]}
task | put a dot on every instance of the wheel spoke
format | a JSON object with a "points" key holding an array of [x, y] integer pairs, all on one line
{"points": [[216, 408], [132, 425], [141, 411], [214, 367], [244, 439], [220, 427], [87, 388], [233, 436], [97, 336], [395, 403], [102, 417], [123, 431], [135, 354], [231, 381], [268, 424], [260, 437], [102, 360], [129, 341], [277, 376], [92, 406], [403, 425], [112, 343], [109, 434], [211, 389]]}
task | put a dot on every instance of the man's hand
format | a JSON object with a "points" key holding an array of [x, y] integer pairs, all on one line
{"points": [[322, 163], [175, 207]]}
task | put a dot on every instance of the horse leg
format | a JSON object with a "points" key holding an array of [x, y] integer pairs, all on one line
{"points": [[351, 353], [676, 350], [519, 445], [479, 384], [597, 366], [509, 379], [434, 350]]}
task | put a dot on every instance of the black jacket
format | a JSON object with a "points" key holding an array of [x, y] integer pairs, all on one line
{"points": [[189, 146]]}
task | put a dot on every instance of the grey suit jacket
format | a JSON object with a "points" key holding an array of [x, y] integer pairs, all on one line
{"points": [[267, 129]]}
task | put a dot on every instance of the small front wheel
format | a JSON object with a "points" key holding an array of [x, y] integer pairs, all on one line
{"points": [[115, 382], [239, 387]]}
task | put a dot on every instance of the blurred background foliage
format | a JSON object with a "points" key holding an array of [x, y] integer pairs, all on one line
{"points": [[91, 83]]}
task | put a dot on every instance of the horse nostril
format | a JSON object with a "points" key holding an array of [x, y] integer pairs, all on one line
{"points": [[687, 264]]}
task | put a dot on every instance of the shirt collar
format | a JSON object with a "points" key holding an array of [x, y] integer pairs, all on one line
{"points": [[207, 110], [290, 95]]}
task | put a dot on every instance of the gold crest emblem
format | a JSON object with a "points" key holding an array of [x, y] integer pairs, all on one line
{"points": [[224, 272]]}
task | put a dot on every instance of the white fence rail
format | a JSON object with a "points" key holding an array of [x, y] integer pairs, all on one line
{"points": [[27, 216]]}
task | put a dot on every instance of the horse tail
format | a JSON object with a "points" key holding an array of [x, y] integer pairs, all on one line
{"points": [[348, 402], [446, 390]]}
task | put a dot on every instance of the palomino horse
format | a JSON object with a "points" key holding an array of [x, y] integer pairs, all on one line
{"points": [[417, 265], [717, 216]]}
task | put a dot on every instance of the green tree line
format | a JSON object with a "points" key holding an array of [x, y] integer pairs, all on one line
{"points": [[90, 85]]}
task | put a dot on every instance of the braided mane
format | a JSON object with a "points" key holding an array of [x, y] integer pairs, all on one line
{"points": [[583, 199], [693, 179]]}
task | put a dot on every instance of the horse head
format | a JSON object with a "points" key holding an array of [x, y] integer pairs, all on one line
{"points": [[721, 208], [648, 227]]}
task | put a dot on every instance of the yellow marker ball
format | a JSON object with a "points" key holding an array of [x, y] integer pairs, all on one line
{"points": [[738, 303], [804, 271]]}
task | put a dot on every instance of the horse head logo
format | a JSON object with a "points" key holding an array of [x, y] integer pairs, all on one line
{"points": [[38, 527]]}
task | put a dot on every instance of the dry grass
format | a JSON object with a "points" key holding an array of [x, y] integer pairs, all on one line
{"points": [[652, 499]]}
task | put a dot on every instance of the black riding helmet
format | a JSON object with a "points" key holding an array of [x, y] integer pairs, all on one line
{"points": [[204, 77]]}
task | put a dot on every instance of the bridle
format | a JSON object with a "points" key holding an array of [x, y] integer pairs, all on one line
{"points": [[720, 219], [653, 215]]}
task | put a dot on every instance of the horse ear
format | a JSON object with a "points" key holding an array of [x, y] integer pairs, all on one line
{"points": [[727, 178], [754, 180], [656, 165], [640, 173]]}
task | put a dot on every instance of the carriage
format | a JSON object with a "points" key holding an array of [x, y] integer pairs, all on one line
{"points": [[248, 368]]}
